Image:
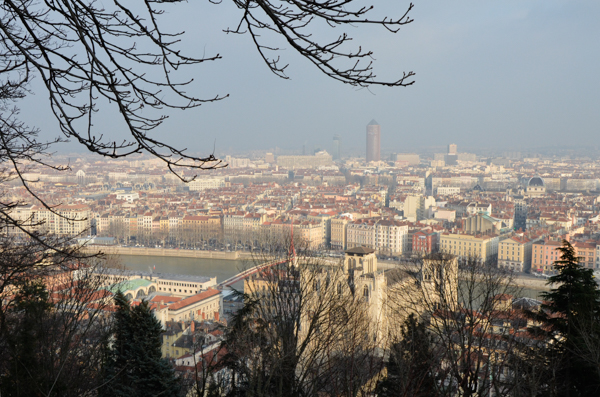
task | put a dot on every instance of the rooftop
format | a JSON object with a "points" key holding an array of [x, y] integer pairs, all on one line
{"points": [[360, 250], [129, 285], [193, 299], [158, 275]]}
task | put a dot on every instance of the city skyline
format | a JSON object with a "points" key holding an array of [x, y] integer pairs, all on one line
{"points": [[485, 77]]}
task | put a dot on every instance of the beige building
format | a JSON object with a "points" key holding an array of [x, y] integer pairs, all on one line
{"points": [[514, 254], [63, 220], [417, 207], [339, 236], [24, 215], [309, 232], [447, 190], [200, 227], [485, 248], [292, 162], [242, 227], [177, 285], [206, 183], [482, 223], [410, 158], [361, 233], [205, 305]]}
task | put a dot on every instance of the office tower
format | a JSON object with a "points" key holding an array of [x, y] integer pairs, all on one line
{"points": [[452, 148], [373, 141], [336, 153]]}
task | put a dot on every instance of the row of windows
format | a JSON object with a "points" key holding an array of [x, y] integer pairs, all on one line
{"points": [[185, 291], [460, 243], [179, 284]]}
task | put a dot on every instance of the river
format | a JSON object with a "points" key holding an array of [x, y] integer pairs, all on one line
{"points": [[222, 269]]}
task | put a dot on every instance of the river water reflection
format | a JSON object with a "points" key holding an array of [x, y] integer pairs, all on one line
{"points": [[222, 269]]}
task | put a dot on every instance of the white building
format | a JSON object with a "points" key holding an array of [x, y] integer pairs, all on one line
{"points": [[447, 190], [387, 237], [130, 197], [206, 183]]}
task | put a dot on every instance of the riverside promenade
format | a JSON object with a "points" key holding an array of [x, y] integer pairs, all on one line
{"points": [[170, 252]]}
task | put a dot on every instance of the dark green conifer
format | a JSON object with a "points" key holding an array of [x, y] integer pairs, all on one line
{"points": [[571, 318], [134, 366], [410, 364], [24, 375]]}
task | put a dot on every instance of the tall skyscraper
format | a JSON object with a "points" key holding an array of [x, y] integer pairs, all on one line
{"points": [[452, 157], [373, 141], [337, 148]]}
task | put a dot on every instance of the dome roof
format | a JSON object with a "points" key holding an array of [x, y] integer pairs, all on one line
{"points": [[536, 181]]}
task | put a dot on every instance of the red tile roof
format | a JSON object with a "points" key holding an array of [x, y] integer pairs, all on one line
{"points": [[194, 299]]}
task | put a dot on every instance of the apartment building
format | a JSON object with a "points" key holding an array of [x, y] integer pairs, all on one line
{"points": [[586, 252], [339, 236], [206, 305], [424, 242], [483, 247], [515, 253], [201, 226], [201, 184], [361, 233], [310, 232], [544, 255], [391, 237], [386, 237], [63, 220]]}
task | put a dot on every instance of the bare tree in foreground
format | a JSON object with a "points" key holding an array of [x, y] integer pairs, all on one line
{"points": [[97, 57], [474, 331], [117, 55], [302, 332]]}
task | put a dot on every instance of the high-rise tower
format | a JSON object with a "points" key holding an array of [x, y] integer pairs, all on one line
{"points": [[452, 148], [337, 152], [373, 141]]}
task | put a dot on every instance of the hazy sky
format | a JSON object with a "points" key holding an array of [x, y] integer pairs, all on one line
{"points": [[510, 73]]}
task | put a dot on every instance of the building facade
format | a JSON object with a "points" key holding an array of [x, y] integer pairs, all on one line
{"points": [[515, 254], [483, 248]]}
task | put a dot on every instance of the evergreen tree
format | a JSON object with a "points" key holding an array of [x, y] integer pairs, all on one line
{"points": [[571, 316], [410, 363], [134, 366], [24, 376]]}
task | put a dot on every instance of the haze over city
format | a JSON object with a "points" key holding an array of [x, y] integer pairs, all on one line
{"points": [[510, 75]]}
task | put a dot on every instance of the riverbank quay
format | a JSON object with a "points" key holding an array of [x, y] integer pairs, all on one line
{"points": [[169, 252]]}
